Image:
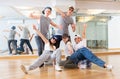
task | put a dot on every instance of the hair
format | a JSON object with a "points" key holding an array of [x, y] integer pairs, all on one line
{"points": [[64, 36], [53, 37], [13, 27], [51, 44], [71, 8], [46, 8]]}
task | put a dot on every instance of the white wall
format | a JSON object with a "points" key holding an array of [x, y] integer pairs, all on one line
{"points": [[114, 32]]}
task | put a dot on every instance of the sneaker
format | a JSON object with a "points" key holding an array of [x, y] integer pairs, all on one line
{"points": [[82, 66], [57, 68], [24, 69], [109, 67], [41, 65]]}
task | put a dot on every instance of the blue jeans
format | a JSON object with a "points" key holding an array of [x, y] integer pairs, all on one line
{"points": [[84, 53], [14, 44], [40, 44], [22, 42]]}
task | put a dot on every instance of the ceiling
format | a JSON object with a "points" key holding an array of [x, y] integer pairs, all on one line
{"points": [[14, 9]]}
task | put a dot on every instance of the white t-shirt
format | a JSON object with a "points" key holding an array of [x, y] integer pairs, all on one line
{"points": [[62, 45], [81, 44], [64, 48], [25, 33], [48, 47]]}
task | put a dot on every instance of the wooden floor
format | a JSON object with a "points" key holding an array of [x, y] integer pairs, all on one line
{"points": [[10, 69]]}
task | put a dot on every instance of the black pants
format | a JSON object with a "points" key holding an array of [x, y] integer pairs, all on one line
{"points": [[14, 44], [22, 42], [69, 64]]}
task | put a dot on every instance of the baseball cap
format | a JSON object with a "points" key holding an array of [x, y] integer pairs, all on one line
{"points": [[76, 36], [54, 37]]}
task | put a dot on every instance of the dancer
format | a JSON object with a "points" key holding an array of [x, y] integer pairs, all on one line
{"points": [[44, 23], [65, 19], [49, 54], [83, 64], [82, 52]]}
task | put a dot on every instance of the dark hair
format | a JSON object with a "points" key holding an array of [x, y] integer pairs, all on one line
{"points": [[13, 27], [65, 36], [71, 8], [46, 8], [53, 37]]}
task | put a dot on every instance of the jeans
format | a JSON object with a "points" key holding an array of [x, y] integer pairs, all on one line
{"points": [[84, 53], [14, 45], [23, 41], [40, 45]]}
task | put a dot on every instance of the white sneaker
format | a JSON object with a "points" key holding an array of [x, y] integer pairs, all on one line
{"points": [[23, 68], [82, 66], [109, 67], [58, 68]]}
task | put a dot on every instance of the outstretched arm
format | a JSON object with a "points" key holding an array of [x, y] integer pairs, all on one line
{"points": [[31, 37], [59, 11], [6, 30], [84, 31], [70, 48], [73, 27], [34, 16], [40, 34], [55, 25], [20, 28]]}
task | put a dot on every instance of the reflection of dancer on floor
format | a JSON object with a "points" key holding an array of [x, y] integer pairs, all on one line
{"points": [[49, 54]]}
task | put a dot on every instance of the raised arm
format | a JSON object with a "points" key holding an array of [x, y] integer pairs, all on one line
{"points": [[40, 34], [20, 28], [6, 30], [34, 16], [55, 25], [73, 27], [84, 31], [70, 48], [59, 11], [31, 37]]}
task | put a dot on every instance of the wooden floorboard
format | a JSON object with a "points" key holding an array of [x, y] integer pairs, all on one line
{"points": [[10, 69]]}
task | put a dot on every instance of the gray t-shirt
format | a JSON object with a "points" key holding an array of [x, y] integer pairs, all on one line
{"points": [[64, 22], [12, 35], [44, 25], [25, 33]]}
